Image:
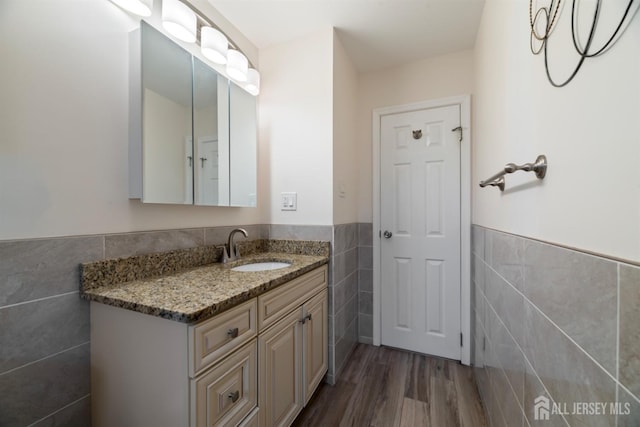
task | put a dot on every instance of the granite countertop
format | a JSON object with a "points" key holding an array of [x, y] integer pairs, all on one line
{"points": [[197, 293]]}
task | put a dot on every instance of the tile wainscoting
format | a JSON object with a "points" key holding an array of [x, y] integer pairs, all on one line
{"points": [[546, 324], [44, 337]]}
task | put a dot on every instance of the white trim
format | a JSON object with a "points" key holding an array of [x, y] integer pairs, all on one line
{"points": [[464, 101]]}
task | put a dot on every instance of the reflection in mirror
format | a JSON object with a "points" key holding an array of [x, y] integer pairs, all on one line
{"points": [[242, 147], [211, 136], [166, 120]]}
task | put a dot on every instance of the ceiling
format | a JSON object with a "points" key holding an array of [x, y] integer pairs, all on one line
{"points": [[376, 33]]}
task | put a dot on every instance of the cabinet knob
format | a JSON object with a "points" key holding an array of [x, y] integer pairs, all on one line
{"points": [[233, 333], [234, 396]]}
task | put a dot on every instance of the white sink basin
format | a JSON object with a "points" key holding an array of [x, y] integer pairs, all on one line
{"points": [[261, 266]]}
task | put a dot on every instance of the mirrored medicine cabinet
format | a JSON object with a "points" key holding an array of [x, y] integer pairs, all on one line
{"points": [[193, 132]]}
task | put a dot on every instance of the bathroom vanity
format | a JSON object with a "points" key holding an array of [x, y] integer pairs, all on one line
{"points": [[209, 346]]}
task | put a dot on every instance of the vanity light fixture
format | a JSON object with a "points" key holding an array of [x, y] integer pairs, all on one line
{"points": [[138, 7], [253, 82], [179, 20], [214, 45], [182, 21], [237, 65]]}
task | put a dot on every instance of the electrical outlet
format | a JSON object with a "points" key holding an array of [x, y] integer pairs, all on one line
{"points": [[289, 201]]}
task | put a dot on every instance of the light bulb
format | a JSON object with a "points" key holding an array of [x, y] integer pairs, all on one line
{"points": [[138, 7], [179, 20], [214, 45], [237, 65], [253, 82]]}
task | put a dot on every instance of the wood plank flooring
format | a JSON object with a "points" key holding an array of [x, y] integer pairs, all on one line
{"points": [[385, 387]]}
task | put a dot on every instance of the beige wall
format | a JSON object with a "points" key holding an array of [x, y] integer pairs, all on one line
{"points": [[345, 143], [296, 119], [63, 126], [589, 131], [439, 77]]}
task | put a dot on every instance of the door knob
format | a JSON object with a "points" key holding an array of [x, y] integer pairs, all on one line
{"points": [[387, 234]]}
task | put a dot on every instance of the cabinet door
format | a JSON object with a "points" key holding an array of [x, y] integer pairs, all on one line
{"points": [[280, 371], [315, 338], [226, 393]]}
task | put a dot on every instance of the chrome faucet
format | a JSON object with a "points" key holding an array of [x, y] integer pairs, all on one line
{"points": [[231, 252]]}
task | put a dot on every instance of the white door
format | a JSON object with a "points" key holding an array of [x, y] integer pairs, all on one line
{"points": [[420, 215], [207, 167]]}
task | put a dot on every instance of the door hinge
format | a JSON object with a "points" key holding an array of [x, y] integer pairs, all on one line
{"points": [[458, 129], [461, 340]]}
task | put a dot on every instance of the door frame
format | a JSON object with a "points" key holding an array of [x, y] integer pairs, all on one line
{"points": [[464, 101]]}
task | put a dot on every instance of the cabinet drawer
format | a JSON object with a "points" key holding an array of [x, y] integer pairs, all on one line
{"points": [[275, 304], [226, 393], [213, 339], [252, 419]]}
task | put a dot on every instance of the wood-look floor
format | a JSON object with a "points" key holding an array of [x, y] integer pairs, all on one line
{"points": [[386, 387]]}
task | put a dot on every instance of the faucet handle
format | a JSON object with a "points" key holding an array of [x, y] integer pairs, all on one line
{"points": [[225, 254]]}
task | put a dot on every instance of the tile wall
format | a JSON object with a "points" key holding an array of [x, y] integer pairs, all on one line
{"points": [[546, 324], [44, 326], [365, 282], [343, 298]]}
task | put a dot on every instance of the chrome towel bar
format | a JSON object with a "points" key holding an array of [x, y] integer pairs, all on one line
{"points": [[497, 180]]}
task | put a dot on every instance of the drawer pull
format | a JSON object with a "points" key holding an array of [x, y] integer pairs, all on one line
{"points": [[234, 396], [233, 333], [305, 318]]}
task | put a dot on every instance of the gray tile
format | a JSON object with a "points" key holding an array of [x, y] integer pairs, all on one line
{"points": [[339, 267], [507, 302], [511, 360], [331, 365], [478, 268], [219, 235], [35, 391], [482, 381], [351, 261], [301, 232], [32, 269], [629, 364], [331, 335], [351, 285], [495, 410], [511, 411], [365, 325], [345, 346], [365, 258], [365, 234], [365, 302], [345, 290], [578, 292], [345, 237], [34, 330], [568, 374], [365, 279], [628, 409], [477, 241], [78, 414], [534, 389], [130, 244], [505, 253], [478, 348]]}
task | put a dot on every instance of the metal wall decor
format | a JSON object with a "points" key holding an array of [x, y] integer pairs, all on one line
{"points": [[417, 134], [546, 17]]}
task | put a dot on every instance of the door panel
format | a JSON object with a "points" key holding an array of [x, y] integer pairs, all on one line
{"points": [[420, 206], [315, 343], [280, 371]]}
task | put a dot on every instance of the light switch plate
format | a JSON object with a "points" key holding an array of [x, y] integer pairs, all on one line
{"points": [[288, 201]]}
